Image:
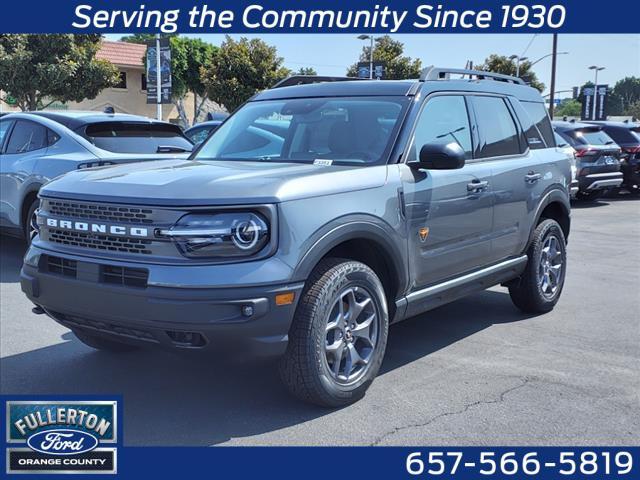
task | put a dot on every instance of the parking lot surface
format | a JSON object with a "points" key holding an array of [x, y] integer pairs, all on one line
{"points": [[475, 372]]}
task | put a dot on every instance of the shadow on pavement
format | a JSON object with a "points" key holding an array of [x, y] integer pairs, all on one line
{"points": [[172, 399], [11, 253]]}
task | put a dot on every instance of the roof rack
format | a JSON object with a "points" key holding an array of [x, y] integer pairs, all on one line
{"points": [[438, 73], [307, 79]]}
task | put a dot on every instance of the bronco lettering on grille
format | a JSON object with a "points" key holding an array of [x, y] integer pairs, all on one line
{"points": [[97, 228]]}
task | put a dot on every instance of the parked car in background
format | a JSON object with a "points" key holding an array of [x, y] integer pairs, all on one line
{"points": [[39, 146], [567, 149], [597, 158], [199, 132], [627, 136]]}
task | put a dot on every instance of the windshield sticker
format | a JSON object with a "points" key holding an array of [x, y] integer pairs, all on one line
{"points": [[323, 162]]}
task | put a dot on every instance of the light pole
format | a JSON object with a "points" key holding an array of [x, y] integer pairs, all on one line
{"points": [[595, 88], [158, 80], [369, 37], [547, 55], [518, 59]]}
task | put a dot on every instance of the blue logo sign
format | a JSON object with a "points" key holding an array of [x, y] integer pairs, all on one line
{"points": [[62, 442]]}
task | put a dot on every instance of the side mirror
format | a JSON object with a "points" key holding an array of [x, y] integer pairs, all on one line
{"points": [[440, 156]]}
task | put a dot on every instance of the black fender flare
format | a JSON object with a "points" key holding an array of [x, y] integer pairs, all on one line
{"points": [[360, 228], [554, 195]]}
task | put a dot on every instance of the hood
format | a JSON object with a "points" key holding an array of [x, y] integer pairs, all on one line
{"points": [[185, 182]]}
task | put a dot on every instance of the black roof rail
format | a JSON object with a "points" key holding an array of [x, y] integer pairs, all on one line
{"points": [[307, 79], [438, 73]]}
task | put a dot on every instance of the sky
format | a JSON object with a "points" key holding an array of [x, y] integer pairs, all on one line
{"points": [[331, 54]]}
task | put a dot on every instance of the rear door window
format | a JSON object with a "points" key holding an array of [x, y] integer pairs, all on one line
{"points": [[498, 132], [131, 137], [26, 137]]}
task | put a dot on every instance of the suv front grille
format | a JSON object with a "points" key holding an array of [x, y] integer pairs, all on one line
{"points": [[107, 213], [126, 276], [99, 242], [61, 266], [111, 274]]}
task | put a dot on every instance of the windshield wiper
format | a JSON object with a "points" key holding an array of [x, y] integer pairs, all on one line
{"points": [[171, 149]]}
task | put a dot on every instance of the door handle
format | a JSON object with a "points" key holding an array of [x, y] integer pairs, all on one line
{"points": [[532, 177], [477, 186]]}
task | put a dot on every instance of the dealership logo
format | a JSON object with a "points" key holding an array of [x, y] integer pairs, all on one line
{"points": [[62, 442], [61, 436]]}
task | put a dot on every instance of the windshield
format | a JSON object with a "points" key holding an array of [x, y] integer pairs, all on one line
{"points": [[340, 130], [131, 137]]}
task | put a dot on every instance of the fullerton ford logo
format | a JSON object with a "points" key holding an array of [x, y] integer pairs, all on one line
{"points": [[62, 436], [62, 442], [91, 227]]}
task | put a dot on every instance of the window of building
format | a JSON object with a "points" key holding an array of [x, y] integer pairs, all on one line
{"points": [[499, 135], [143, 81], [443, 120], [122, 83]]}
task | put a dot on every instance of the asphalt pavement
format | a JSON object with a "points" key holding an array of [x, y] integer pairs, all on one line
{"points": [[475, 372]]}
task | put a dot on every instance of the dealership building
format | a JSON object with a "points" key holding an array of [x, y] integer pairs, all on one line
{"points": [[130, 95]]}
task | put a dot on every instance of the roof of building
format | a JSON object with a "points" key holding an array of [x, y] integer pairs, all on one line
{"points": [[123, 53]]}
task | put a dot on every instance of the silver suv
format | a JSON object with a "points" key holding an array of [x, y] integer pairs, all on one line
{"points": [[318, 214]]}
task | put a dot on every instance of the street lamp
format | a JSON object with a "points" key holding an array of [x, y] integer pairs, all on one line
{"points": [[547, 55], [369, 37], [518, 59], [595, 88]]}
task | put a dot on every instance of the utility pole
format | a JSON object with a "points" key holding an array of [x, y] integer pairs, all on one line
{"points": [[554, 58], [371, 60], [158, 79]]}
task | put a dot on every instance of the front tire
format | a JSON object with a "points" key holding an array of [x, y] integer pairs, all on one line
{"points": [[100, 343], [540, 286], [30, 222], [339, 335]]}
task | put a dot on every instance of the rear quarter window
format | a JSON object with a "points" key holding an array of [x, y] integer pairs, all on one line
{"points": [[538, 115]]}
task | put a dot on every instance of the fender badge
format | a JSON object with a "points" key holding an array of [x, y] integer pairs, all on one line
{"points": [[423, 233]]}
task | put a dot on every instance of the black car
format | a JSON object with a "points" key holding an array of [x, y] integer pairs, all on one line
{"points": [[597, 157], [627, 135]]}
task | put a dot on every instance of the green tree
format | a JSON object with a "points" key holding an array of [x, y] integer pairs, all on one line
{"points": [[241, 69], [188, 57], [568, 108], [306, 71], [634, 110], [389, 51], [501, 64], [37, 70], [625, 93]]}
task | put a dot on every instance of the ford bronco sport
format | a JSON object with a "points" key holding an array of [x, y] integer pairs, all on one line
{"points": [[315, 216]]}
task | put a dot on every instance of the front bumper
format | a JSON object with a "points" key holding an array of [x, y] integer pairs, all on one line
{"points": [[179, 316]]}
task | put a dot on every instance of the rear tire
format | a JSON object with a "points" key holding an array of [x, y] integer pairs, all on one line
{"points": [[540, 285], [100, 343], [338, 336]]}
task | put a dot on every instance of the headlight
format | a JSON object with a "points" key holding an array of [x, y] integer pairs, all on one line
{"points": [[238, 234]]}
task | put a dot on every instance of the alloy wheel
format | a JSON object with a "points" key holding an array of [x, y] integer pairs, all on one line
{"points": [[351, 335]]}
